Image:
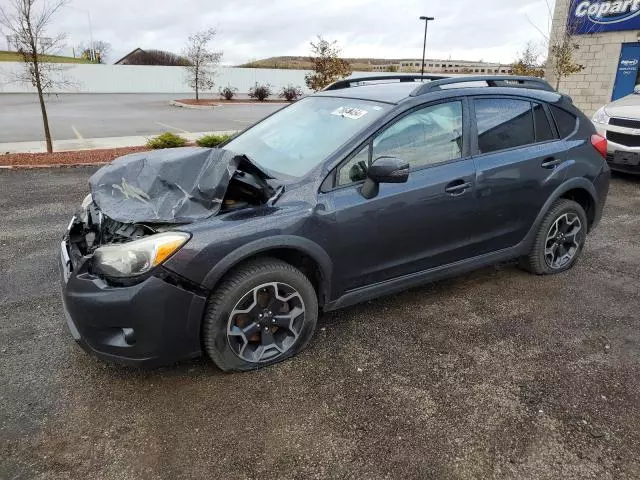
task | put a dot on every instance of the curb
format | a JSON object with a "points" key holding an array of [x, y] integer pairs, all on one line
{"points": [[54, 165], [175, 103], [108, 143]]}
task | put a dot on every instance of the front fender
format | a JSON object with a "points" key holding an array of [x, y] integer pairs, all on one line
{"points": [[263, 245]]}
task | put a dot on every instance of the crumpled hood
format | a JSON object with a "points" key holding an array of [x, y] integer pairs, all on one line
{"points": [[179, 185]]}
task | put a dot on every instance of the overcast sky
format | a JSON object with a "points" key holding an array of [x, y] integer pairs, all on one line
{"points": [[492, 30]]}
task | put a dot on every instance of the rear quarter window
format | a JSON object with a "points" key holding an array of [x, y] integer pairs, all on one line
{"points": [[565, 121], [544, 131]]}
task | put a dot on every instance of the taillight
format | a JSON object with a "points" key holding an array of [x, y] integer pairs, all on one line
{"points": [[600, 144]]}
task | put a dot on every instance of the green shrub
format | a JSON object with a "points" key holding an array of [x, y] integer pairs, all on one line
{"points": [[290, 93], [166, 140], [227, 92], [260, 92], [212, 141]]}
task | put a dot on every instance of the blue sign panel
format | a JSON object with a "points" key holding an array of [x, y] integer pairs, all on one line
{"points": [[595, 16], [628, 72]]}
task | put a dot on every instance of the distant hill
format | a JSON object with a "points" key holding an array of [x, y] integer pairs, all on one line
{"points": [[6, 56], [303, 63]]}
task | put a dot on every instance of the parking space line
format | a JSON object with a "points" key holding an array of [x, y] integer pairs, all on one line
{"points": [[171, 128], [78, 135]]}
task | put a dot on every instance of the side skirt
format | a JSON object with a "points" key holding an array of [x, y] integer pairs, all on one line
{"points": [[400, 284]]}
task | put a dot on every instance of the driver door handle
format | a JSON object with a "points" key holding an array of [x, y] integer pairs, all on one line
{"points": [[457, 187]]}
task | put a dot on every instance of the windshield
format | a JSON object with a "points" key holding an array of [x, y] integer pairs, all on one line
{"points": [[296, 139]]}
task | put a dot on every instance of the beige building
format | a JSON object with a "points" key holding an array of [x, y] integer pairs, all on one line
{"points": [[446, 66], [608, 37]]}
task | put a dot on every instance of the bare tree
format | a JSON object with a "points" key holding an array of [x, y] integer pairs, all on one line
{"points": [[561, 56], [97, 52], [561, 60], [27, 21], [327, 64], [203, 61], [528, 62]]}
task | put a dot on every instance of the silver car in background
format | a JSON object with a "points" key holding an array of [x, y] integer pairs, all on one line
{"points": [[619, 122]]}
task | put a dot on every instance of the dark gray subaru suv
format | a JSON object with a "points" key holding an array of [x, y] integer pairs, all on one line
{"points": [[365, 189]]}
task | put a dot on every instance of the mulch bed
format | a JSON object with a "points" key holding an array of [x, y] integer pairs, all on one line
{"points": [[66, 158], [208, 102]]}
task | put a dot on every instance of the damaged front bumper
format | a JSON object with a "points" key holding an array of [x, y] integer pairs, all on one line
{"points": [[151, 323]]}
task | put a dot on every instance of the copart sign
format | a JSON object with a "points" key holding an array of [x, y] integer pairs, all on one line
{"points": [[595, 16]]}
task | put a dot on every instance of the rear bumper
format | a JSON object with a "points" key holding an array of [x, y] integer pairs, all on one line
{"points": [[145, 325]]}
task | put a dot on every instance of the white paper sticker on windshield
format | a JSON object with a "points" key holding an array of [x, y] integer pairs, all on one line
{"points": [[350, 112]]}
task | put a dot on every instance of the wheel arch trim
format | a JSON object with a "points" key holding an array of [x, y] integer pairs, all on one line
{"points": [[264, 245], [572, 184]]}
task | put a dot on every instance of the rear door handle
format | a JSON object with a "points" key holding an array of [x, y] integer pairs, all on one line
{"points": [[457, 187], [551, 163]]}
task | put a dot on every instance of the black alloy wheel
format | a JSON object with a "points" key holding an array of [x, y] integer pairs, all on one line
{"points": [[266, 322], [263, 312], [559, 239]]}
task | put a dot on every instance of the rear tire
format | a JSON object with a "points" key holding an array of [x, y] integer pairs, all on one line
{"points": [[264, 311], [559, 240]]}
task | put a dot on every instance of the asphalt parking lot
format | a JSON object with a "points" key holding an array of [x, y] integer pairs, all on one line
{"points": [[78, 116], [495, 374]]}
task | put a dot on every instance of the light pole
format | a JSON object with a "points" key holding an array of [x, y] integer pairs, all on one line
{"points": [[424, 45], [92, 50]]}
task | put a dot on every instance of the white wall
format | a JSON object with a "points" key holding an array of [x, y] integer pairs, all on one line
{"points": [[150, 79]]}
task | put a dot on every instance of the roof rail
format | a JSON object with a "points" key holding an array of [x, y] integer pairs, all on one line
{"points": [[347, 83], [491, 81]]}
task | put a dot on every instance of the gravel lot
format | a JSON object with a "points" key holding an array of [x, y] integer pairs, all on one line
{"points": [[495, 374]]}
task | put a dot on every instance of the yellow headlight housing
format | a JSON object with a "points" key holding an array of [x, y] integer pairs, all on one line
{"points": [[138, 257]]}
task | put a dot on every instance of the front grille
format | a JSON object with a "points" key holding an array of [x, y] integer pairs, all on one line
{"points": [[624, 122], [624, 139]]}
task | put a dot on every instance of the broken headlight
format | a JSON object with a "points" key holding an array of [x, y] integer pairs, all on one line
{"points": [[138, 257], [88, 200]]}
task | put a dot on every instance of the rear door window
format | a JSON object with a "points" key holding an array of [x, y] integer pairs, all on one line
{"points": [[503, 123], [565, 121]]}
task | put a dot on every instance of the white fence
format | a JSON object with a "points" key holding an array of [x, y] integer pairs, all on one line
{"points": [[148, 79]]}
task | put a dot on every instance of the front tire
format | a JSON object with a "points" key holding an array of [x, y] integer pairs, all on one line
{"points": [[265, 311], [559, 240]]}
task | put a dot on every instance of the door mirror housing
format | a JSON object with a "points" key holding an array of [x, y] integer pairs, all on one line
{"points": [[636, 90], [384, 170]]}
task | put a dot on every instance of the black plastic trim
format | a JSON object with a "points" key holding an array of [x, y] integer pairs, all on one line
{"points": [[504, 81], [258, 247], [347, 83]]}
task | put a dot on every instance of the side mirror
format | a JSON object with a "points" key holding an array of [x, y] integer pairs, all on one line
{"points": [[636, 90], [384, 170]]}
